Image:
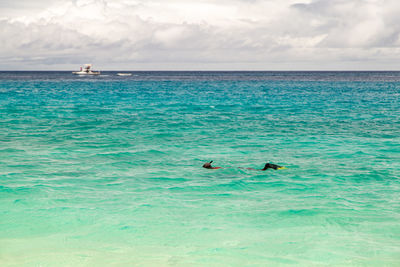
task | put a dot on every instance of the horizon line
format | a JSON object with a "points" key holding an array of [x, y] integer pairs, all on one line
{"points": [[212, 70]]}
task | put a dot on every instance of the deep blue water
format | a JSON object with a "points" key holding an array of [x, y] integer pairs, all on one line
{"points": [[106, 170]]}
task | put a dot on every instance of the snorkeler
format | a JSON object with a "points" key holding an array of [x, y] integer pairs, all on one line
{"points": [[207, 165], [271, 166], [267, 166]]}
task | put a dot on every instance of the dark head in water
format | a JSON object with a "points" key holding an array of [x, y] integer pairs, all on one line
{"points": [[271, 166], [207, 165]]}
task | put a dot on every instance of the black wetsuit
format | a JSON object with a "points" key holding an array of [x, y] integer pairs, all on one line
{"points": [[271, 166]]}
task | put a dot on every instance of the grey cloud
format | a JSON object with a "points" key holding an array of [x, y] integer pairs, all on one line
{"points": [[351, 24]]}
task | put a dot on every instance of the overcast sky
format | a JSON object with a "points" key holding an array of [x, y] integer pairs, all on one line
{"points": [[200, 34]]}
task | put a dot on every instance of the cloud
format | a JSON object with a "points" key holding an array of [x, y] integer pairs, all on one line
{"points": [[178, 34], [350, 24]]}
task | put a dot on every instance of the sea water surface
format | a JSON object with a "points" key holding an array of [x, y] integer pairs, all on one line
{"points": [[106, 170]]}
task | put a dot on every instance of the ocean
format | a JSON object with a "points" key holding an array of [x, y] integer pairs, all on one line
{"points": [[107, 170]]}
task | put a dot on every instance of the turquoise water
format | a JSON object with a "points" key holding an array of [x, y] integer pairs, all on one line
{"points": [[106, 171]]}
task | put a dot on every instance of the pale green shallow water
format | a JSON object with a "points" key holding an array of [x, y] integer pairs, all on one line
{"points": [[107, 171]]}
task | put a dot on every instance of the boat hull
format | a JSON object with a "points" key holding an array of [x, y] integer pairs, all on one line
{"points": [[86, 73]]}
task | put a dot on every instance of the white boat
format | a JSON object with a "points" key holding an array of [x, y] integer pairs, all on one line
{"points": [[124, 74], [86, 70]]}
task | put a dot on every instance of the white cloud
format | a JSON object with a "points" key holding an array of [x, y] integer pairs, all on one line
{"points": [[178, 34]]}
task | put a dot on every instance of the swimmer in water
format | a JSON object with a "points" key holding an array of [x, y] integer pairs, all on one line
{"points": [[271, 166], [267, 166], [207, 165]]}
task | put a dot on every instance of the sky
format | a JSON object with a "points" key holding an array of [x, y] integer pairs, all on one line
{"points": [[200, 35]]}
